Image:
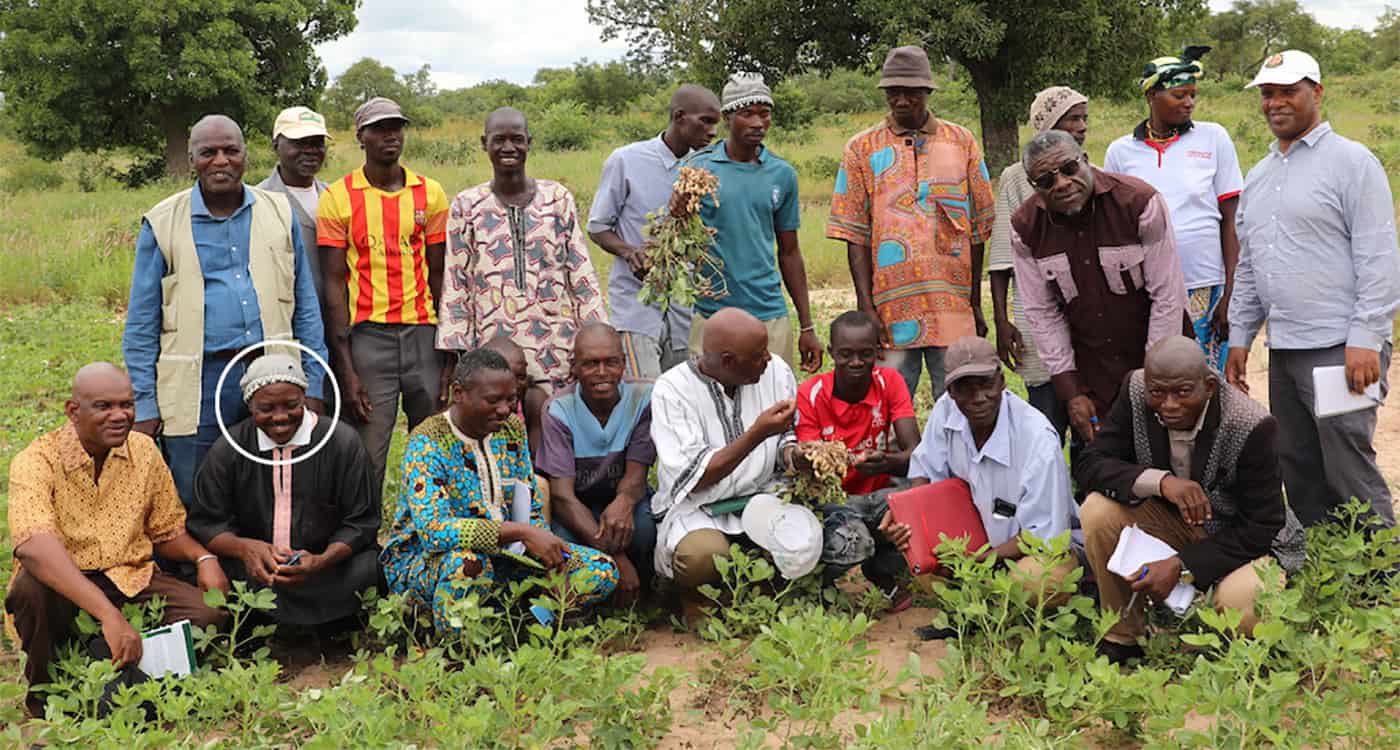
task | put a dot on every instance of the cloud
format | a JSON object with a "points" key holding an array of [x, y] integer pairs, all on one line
{"points": [[467, 41], [1343, 14]]}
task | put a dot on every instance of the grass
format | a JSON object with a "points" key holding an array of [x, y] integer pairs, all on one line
{"points": [[67, 265]]}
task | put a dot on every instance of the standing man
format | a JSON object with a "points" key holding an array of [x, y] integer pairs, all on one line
{"points": [[636, 181], [1097, 270], [518, 265], [756, 205], [219, 267], [1055, 108], [1194, 164], [1317, 263], [913, 204], [382, 231], [299, 139]]}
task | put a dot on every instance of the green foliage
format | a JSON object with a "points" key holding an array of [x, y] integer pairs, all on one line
{"points": [[842, 90], [93, 74], [31, 174], [368, 78], [564, 126]]}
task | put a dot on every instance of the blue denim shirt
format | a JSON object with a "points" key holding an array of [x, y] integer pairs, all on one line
{"points": [[232, 319], [1318, 258]]}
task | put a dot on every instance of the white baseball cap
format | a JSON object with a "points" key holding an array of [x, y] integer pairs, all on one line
{"points": [[1286, 68], [790, 532]]}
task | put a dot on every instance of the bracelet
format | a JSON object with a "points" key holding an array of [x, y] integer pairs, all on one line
{"points": [[805, 329], [204, 557]]}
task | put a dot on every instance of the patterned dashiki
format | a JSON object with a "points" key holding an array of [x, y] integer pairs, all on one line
{"points": [[451, 505], [919, 200], [520, 271], [1200, 307]]}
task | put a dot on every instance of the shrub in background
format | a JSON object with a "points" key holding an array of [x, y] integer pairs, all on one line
{"points": [[31, 174], [564, 126]]}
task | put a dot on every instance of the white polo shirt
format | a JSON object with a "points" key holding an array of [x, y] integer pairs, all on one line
{"points": [[1194, 171]]}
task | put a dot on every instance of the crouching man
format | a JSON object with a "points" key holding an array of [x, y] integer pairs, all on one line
{"points": [[1008, 453], [722, 427], [1193, 462], [89, 504]]}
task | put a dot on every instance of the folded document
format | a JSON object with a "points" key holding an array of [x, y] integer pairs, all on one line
{"points": [[1137, 548], [168, 650]]}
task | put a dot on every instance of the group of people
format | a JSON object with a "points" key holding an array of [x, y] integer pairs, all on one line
{"points": [[535, 418]]}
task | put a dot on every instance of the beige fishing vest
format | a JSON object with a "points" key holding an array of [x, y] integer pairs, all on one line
{"points": [[272, 268]]}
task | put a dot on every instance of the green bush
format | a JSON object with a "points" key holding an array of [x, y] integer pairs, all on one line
{"points": [[637, 126], [565, 126], [824, 166], [842, 91], [793, 109], [440, 151], [31, 174]]}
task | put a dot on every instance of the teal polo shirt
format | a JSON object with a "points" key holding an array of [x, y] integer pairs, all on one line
{"points": [[756, 201]]}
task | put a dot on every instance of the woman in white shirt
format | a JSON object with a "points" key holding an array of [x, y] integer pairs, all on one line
{"points": [[1195, 167]]}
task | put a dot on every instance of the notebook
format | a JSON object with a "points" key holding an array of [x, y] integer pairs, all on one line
{"points": [[944, 508], [168, 650], [1331, 396], [1137, 548]]}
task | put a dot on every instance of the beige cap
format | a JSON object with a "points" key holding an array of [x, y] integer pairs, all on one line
{"points": [[376, 110], [1287, 68], [970, 355], [299, 122]]}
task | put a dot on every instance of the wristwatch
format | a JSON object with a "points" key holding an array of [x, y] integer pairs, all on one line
{"points": [[1187, 577]]}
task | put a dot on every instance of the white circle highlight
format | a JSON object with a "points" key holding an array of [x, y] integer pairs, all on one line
{"points": [[219, 404]]}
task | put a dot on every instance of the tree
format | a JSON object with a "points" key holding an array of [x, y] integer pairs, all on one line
{"points": [[1252, 30], [1012, 50], [713, 38], [1387, 38], [92, 74], [367, 78]]}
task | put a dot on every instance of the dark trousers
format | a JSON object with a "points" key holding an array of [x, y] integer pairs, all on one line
{"points": [[185, 453], [1326, 461], [44, 619], [1043, 398], [394, 362], [643, 534]]}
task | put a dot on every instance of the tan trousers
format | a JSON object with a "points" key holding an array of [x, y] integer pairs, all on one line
{"points": [[1104, 519], [694, 562], [780, 338], [1027, 573]]}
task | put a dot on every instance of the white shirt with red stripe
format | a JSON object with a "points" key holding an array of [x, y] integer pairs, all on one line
{"points": [[1194, 171]]}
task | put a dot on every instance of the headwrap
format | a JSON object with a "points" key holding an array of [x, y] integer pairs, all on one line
{"points": [[743, 90], [269, 369], [1052, 104], [1170, 72]]}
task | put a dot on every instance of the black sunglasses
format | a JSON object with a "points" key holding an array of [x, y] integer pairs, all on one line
{"points": [[1047, 180]]}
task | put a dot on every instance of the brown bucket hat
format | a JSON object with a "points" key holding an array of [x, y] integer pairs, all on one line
{"points": [[907, 67]]}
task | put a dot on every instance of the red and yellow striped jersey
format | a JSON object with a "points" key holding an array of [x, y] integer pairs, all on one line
{"points": [[385, 236]]}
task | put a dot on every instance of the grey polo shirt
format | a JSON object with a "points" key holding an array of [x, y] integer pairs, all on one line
{"points": [[636, 180]]}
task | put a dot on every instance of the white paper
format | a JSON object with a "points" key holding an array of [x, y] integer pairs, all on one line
{"points": [[166, 650], [1137, 548], [1331, 396], [519, 512]]}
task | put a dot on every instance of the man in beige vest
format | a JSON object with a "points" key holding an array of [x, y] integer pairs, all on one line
{"points": [[219, 267]]}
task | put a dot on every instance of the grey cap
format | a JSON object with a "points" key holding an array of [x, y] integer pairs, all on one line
{"points": [[375, 110], [269, 369], [970, 355], [743, 90]]}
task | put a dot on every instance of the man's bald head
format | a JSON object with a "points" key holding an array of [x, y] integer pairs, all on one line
{"points": [[736, 347], [691, 97], [1176, 357], [103, 407], [213, 126], [596, 333], [505, 117], [98, 377], [1178, 382]]}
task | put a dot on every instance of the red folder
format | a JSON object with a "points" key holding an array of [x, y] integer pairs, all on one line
{"points": [[938, 508]]}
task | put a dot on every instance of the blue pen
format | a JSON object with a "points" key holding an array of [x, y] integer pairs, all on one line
{"points": [[1133, 599]]}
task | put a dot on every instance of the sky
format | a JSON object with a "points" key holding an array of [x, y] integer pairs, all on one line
{"points": [[469, 41]]}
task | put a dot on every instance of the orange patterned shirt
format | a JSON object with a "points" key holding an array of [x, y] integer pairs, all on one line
{"points": [[919, 200], [111, 525], [385, 236]]}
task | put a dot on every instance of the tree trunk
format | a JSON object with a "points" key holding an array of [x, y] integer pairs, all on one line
{"points": [[996, 97], [177, 145]]}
